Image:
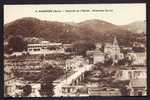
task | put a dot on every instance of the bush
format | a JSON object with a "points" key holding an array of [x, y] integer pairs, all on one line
{"points": [[17, 44], [27, 89]]}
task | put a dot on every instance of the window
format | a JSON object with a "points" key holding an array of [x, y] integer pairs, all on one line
{"points": [[139, 93], [36, 49], [30, 49]]}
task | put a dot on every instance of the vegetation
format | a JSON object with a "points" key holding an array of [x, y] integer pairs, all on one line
{"points": [[16, 44], [47, 89], [91, 30], [102, 73], [104, 76], [49, 73], [123, 86], [108, 62], [80, 47], [27, 89]]}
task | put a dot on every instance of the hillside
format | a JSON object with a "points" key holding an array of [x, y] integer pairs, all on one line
{"points": [[137, 27], [91, 30], [31, 27]]}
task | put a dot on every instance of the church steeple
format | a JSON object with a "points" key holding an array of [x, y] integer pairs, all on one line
{"points": [[116, 49], [115, 42]]}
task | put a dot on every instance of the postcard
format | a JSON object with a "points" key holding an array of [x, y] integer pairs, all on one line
{"points": [[71, 50]]}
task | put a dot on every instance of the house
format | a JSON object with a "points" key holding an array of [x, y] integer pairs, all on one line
{"points": [[9, 85], [9, 82], [127, 74], [138, 87]]}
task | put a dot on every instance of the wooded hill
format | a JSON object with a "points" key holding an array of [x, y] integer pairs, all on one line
{"points": [[92, 30]]}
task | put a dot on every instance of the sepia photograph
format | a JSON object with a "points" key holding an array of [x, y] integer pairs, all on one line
{"points": [[75, 50]]}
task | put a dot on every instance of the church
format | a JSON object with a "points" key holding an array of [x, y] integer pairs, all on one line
{"points": [[113, 50]]}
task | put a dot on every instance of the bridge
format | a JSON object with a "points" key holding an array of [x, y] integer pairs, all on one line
{"points": [[74, 79]]}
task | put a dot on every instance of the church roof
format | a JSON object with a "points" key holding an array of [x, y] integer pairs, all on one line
{"points": [[115, 42], [111, 42]]}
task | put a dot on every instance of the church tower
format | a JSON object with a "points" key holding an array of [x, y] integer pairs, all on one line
{"points": [[115, 48], [115, 42]]}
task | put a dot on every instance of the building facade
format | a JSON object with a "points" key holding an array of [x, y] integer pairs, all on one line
{"points": [[138, 87], [45, 47]]}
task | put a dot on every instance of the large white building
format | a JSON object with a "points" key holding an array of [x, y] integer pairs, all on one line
{"points": [[45, 47]]}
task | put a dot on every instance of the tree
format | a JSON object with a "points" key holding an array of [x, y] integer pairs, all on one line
{"points": [[99, 65], [27, 89], [49, 73], [47, 89], [125, 91], [16, 43], [80, 47]]}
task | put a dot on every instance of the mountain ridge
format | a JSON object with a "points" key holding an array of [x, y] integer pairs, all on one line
{"points": [[92, 30], [136, 26]]}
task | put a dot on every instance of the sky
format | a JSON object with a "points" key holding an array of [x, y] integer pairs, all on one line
{"points": [[119, 14]]}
